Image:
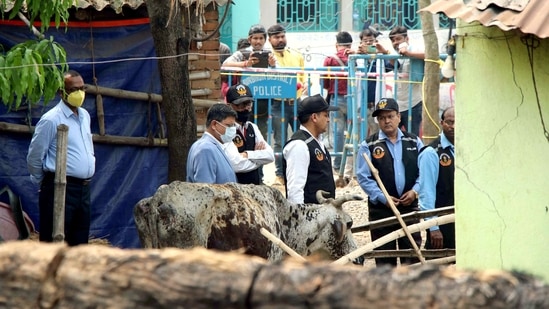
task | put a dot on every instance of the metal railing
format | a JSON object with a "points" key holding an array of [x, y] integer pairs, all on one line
{"points": [[358, 74]]}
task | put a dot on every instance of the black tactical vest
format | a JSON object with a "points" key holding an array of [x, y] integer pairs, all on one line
{"points": [[383, 162], [320, 175], [246, 142]]}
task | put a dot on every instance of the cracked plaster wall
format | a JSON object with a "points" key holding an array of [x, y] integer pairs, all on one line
{"points": [[502, 166]]}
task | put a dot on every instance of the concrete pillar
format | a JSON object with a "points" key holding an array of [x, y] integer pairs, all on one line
{"points": [[346, 17], [268, 12]]}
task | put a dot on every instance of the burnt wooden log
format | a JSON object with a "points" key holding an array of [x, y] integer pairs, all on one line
{"points": [[38, 275]]}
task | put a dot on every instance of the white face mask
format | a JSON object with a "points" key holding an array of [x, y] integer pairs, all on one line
{"points": [[230, 133]]}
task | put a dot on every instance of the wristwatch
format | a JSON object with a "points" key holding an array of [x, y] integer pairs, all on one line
{"points": [[416, 193]]}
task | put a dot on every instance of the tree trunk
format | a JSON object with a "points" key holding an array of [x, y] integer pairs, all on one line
{"points": [[172, 39], [38, 275], [432, 76]]}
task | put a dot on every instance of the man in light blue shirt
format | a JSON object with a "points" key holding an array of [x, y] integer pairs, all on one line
{"points": [[436, 180], [41, 161], [394, 154], [207, 161]]}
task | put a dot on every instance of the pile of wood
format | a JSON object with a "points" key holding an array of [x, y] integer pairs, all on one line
{"points": [[38, 275]]}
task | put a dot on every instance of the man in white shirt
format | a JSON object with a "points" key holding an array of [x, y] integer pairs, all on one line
{"points": [[248, 151], [307, 165]]}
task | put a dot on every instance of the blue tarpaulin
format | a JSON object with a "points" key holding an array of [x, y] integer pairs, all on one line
{"points": [[119, 55]]}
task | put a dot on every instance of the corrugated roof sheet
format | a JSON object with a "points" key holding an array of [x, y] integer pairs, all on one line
{"points": [[529, 16], [118, 4]]}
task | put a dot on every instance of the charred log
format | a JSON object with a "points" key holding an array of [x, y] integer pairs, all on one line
{"points": [[37, 275]]}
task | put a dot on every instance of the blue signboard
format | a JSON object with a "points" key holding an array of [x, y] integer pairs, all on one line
{"points": [[271, 85]]}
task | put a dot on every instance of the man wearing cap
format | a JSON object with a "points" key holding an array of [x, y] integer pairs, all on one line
{"points": [[248, 151], [243, 58], [307, 164], [290, 58], [228, 79], [395, 155], [257, 37], [337, 90]]}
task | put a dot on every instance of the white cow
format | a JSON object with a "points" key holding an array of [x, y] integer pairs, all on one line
{"points": [[230, 216]]}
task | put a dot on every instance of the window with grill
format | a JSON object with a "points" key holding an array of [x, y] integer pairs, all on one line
{"points": [[308, 15], [387, 14]]}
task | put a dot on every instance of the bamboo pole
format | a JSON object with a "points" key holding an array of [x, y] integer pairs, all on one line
{"points": [[15, 128], [427, 253], [281, 244], [60, 184], [28, 23], [106, 139], [440, 261], [100, 113], [409, 217], [130, 141], [375, 172], [160, 120], [394, 235], [152, 97]]}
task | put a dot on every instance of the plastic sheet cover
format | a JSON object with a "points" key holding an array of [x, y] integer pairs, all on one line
{"points": [[118, 56]]}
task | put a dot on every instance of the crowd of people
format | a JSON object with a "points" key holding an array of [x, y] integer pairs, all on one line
{"points": [[408, 169], [234, 149]]}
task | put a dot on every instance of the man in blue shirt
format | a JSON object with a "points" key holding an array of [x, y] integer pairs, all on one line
{"points": [[436, 180], [394, 154], [80, 162], [207, 162]]}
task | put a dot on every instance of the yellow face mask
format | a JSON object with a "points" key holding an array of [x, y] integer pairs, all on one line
{"points": [[76, 98]]}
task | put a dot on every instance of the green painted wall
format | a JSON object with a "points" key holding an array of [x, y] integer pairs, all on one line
{"points": [[502, 164], [242, 16]]}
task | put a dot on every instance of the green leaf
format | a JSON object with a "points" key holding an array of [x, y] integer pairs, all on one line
{"points": [[34, 69], [16, 8]]}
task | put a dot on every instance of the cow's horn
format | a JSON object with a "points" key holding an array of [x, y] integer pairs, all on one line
{"points": [[347, 197], [320, 196]]}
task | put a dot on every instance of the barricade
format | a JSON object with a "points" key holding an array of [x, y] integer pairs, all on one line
{"points": [[271, 84]]}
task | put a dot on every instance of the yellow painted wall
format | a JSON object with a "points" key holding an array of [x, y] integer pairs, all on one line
{"points": [[502, 164]]}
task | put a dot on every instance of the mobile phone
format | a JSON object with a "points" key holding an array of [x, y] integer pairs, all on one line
{"points": [[372, 49], [245, 53], [263, 57]]}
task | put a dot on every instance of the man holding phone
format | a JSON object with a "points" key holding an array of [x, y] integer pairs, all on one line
{"points": [[337, 91], [260, 59], [250, 57]]}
